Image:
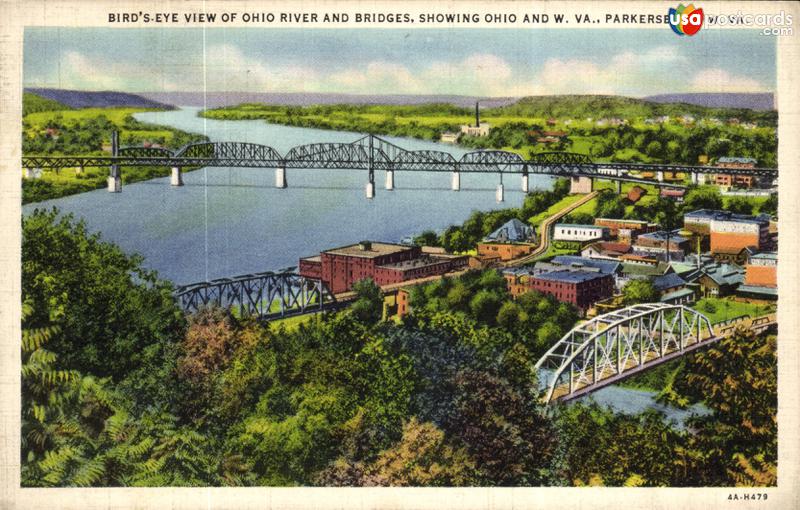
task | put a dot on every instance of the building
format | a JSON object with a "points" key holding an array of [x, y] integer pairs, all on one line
{"points": [[606, 250], [579, 288], [656, 244], [673, 193], [635, 194], [760, 277], [732, 254], [717, 280], [626, 229], [512, 240], [384, 263], [397, 303], [479, 129], [735, 180], [730, 233], [573, 232], [449, 137], [673, 289]]}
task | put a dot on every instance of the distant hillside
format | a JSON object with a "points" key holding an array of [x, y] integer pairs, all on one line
{"points": [[31, 103], [584, 106], [753, 101], [97, 99], [220, 99]]}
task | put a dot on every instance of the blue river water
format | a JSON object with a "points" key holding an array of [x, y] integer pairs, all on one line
{"points": [[231, 221]]}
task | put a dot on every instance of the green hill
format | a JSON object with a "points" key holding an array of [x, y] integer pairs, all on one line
{"points": [[597, 106], [31, 103]]}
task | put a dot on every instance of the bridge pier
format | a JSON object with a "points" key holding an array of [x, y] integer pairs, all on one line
{"points": [[499, 195], [114, 184], [389, 180], [660, 176], [619, 187], [580, 185], [280, 177], [695, 177], [176, 179], [455, 183], [525, 183], [370, 190]]}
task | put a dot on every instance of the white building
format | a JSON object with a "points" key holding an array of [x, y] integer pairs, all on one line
{"points": [[481, 130], [572, 232]]}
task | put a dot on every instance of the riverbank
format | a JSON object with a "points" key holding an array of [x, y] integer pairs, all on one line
{"points": [[64, 131]]}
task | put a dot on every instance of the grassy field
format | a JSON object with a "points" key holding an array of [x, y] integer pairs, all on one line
{"points": [[721, 309], [561, 204], [87, 131]]}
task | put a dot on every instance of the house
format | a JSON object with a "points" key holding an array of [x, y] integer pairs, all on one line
{"points": [[633, 270], [635, 194], [626, 230], [673, 289], [732, 254], [717, 280], [575, 263], [673, 193], [512, 240], [574, 232], [607, 250]]}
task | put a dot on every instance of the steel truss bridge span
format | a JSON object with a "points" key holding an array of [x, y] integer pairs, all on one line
{"points": [[601, 351], [266, 295], [370, 153]]}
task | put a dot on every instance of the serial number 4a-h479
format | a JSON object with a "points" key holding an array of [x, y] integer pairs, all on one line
{"points": [[748, 497]]}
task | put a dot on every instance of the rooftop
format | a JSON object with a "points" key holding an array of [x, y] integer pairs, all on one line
{"points": [[765, 255], [570, 276], [605, 266], [734, 159], [375, 250], [758, 289], [661, 235], [512, 231], [676, 294], [668, 281], [423, 261], [621, 221], [577, 225], [713, 214]]}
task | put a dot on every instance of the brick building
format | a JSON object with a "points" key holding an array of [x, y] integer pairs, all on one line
{"points": [[385, 263], [513, 239], [575, 232], [735, 180], [580, 288], [760, 277], [625, 230]]}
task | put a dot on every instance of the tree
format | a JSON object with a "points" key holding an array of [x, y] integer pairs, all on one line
{"points": [[740, 205], [484, 306], [368, 305], [639, 291], [427, 238], [770, 205], [703, 197]]}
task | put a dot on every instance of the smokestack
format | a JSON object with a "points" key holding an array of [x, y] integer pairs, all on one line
{"points": [[477, 116]]}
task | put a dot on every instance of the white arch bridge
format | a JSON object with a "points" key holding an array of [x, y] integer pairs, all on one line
{"points": [[619, 344]]}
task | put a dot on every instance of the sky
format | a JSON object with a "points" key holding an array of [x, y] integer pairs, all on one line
{"points": [[478, 62]]}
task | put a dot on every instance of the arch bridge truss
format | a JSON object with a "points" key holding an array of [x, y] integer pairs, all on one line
{"points": [[266, 295], [615, 345]]}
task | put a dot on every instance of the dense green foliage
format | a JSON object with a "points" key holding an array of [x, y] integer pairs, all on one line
{"points": [[119, 389]]}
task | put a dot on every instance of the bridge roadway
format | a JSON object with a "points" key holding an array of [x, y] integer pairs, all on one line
{"points": [[372, 153], [620, 344]]}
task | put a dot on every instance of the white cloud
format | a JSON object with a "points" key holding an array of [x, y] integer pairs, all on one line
{"points": [[227, 68], [377, 77], [720, 80]]}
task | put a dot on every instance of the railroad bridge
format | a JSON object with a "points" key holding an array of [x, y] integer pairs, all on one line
{"points": [[372, 153]]}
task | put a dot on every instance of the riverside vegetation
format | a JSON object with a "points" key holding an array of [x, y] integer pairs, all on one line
{"points": [[120, 389]]}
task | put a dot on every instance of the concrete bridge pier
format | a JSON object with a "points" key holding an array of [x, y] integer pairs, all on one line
{"points": [[499, 195], [619, 187], [370, 190], [525, 183], [114, 180], [695, 177], [660, 176], [389, 180], [455, 184], [280, 177], [176, 179], [580, 185]]}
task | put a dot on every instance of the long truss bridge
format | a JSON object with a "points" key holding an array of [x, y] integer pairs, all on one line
{"points": [[610, 347], [372, 153]]}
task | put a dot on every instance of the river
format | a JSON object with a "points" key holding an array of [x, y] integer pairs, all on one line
{"points": [[231, 221]]}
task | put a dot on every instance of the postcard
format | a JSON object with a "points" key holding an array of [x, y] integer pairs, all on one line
{"points": [[399, 254]]}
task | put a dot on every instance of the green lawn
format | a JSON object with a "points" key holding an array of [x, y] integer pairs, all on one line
{"points": [[561, 204], [721, 309]]}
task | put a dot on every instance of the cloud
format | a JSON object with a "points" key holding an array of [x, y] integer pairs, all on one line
{"points": [[377, 77], [720, 80], [228, 68]]}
